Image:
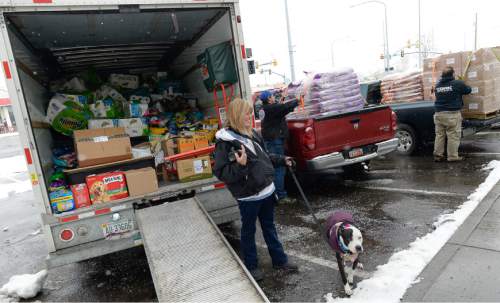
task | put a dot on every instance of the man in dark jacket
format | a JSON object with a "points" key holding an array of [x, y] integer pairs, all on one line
{"points": [[448, 118], [275, 132]]}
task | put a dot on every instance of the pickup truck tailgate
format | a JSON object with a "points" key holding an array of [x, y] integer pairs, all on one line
{"points": [[360, 128]]}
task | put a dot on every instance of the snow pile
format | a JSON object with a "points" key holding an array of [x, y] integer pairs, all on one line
{"points": [[11, 166], [23, 286], [391, 280]]}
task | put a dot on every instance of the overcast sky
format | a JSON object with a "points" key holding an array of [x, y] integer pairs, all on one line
{"points": [[322, 29], [354, 36]]}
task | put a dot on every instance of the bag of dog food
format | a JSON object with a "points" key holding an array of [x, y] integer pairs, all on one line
{"points": [[107, 187], [81, 195]]}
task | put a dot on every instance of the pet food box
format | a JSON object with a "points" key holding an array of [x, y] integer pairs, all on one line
{"points": [[81, 195], [61, 200], [102, 145], [107, 187]]}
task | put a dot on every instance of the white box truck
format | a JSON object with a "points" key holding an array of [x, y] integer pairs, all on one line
{"points": [[43, 40]]}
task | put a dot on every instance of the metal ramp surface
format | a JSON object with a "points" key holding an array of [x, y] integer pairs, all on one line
{"points": [[189, 258]]}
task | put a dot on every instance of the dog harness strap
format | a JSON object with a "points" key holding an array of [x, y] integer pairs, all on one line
{"points": [[340, 241]]}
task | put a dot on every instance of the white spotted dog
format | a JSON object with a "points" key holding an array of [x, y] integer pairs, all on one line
{"points": [[347, 242]]}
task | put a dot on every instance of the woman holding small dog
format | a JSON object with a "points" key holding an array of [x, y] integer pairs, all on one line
{"points": [[244, 165]]}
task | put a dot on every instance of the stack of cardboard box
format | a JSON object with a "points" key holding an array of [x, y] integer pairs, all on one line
{"points": [[482, 74], [433, 68], [188, 169]]}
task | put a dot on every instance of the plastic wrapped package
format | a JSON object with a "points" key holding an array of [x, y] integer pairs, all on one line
{"points": [[333, 92], [402, 87]]}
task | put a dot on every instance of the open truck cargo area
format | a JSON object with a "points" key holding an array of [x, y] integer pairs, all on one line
{"points": [[46, 42]]}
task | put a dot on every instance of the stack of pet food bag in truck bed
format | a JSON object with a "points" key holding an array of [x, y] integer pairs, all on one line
{"points": [[110, 139], [480, 70], [402, 87]]}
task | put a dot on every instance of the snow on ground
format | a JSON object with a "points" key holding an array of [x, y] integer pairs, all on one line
{"points": [[391, 280], [23, 286], [14, 188], [10, 167]]}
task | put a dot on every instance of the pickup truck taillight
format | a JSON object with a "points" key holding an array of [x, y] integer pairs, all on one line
{"points": [[309, 138], [394, 121]]}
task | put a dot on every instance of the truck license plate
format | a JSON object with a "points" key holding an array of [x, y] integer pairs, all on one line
{"points": [[357, 152], [116, 228]]}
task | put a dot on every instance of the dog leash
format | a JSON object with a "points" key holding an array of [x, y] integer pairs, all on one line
{"points": [[308, 205]]}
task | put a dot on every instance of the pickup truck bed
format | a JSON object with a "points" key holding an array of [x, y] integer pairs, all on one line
{"points": [[339, 140], [416, 125]]}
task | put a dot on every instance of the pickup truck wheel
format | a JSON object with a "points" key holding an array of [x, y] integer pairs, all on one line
{"points": [[407, 139]]}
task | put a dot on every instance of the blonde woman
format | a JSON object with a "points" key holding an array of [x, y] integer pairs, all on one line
{"points": [[244, 165]]}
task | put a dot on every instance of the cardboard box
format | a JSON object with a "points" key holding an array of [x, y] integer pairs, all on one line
{"points": [[429, 65], [101, 123], [200, 140], [428, 95], [107, 187], [177, 145], [141, 181], [481, 105], [102, 145], [194, 169], [81, 195], [484, 88]]}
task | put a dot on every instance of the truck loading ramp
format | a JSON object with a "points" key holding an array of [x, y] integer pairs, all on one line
{"points": [[189, 258]]}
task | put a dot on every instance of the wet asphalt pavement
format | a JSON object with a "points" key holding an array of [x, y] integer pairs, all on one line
{"points": [[393, 204]]}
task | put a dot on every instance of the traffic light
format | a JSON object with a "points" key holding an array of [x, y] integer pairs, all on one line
{"points": [[274, 62], [408, 44], [402, 53], [382, 57], [251, 67]]}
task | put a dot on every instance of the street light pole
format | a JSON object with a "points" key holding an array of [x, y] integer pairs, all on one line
{"points": [[290, 46], [386, 36], [419, 39]]}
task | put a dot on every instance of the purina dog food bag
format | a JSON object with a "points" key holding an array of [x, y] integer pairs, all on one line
{"points": [[107, 187]]}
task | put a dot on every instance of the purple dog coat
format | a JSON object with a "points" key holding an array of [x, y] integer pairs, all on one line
{"points": [[336, 217]]}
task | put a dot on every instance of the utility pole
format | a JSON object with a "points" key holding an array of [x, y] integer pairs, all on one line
{"points": [[475, 33], [419, 38], [290, 46]]}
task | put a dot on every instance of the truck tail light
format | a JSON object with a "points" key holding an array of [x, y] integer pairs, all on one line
{"points": [[309, 138], [66, 235], [394, 121]]}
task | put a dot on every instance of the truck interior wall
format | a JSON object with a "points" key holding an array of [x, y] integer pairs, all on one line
{"points": [[218, 33], [36, 98]]}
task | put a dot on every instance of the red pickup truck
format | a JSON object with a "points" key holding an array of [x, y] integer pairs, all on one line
{"points": [[342, 140]]}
